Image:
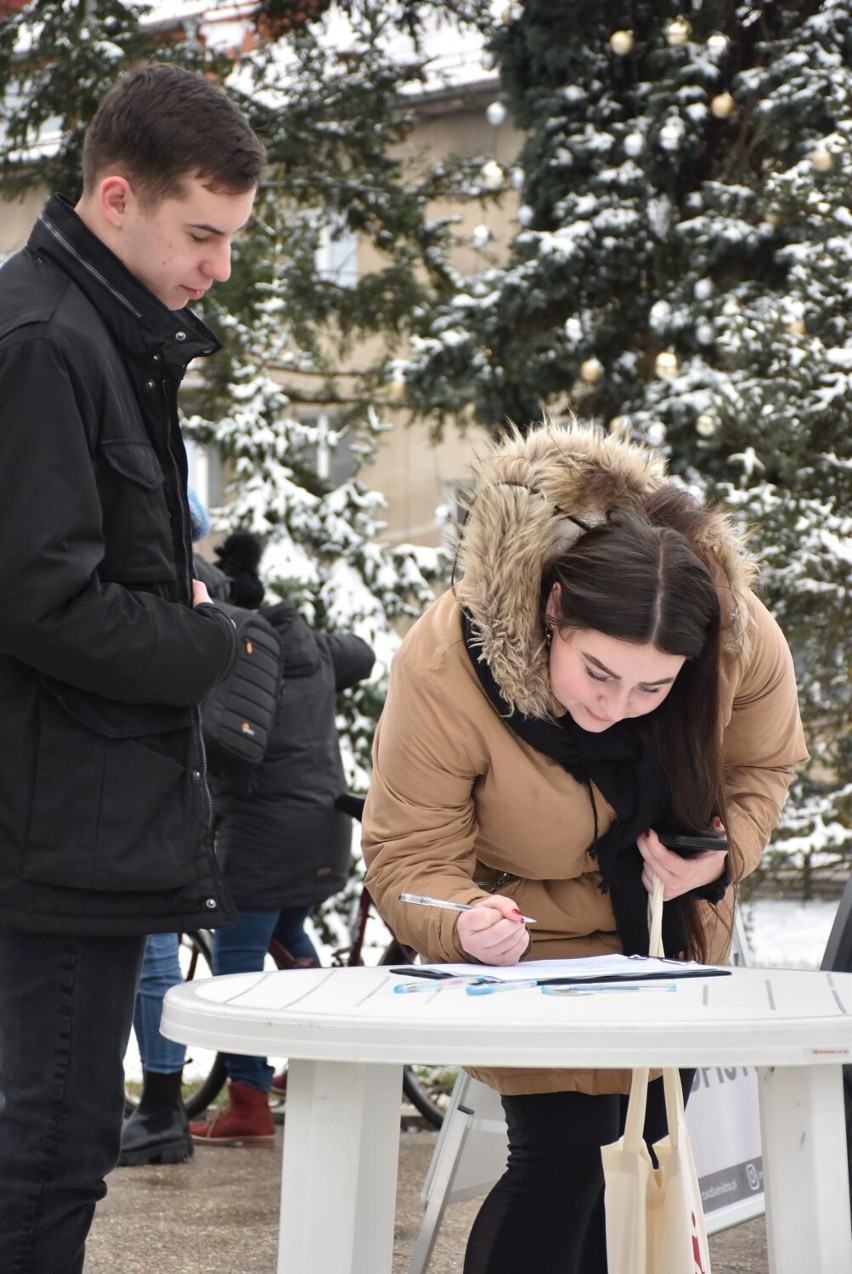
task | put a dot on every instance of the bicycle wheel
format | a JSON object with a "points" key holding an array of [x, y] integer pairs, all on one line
{"points": [[428, 1088], [204, 1072]]}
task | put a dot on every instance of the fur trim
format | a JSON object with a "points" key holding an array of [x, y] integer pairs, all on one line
{"points": [[521, 512]]}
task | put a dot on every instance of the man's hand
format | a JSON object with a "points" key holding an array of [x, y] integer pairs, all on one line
{"points": [[493, 931], [199, 593]]}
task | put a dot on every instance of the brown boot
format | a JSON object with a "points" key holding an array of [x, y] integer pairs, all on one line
{"points": [[245, 1121]]}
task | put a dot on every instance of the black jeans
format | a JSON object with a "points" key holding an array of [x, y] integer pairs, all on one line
{"points": [[547, 1212], [66, 1008]]}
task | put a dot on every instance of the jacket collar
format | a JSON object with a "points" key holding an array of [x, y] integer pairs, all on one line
{"points": [[140, 324]]}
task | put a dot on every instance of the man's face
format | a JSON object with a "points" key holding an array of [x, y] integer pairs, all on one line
{"points": [[179, 247]]}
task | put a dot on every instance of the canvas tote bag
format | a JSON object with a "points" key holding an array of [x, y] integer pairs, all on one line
{"points": [[654, 1217]]}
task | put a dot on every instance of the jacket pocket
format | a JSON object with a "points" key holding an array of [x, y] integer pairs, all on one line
{"points": [[108, 813], [137, 527]]}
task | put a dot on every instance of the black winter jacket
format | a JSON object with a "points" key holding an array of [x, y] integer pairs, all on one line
{"points": [[104, 807], [285, 844]]}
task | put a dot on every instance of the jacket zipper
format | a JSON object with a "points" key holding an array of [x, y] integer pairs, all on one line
{"points": [[186, 544]]}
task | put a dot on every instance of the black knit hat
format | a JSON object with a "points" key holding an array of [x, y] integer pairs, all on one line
{"points": [[239, 558]]}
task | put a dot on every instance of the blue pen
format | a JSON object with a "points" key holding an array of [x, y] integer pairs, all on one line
{"points": [[578, 989]]}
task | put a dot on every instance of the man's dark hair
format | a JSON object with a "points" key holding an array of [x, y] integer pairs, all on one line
{"points": [[161, 125]]}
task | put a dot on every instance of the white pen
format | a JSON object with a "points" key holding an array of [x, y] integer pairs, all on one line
{"points": [[420, 900]]}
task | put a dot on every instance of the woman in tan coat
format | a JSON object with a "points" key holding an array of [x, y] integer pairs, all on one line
{"points": [[603, 671]]}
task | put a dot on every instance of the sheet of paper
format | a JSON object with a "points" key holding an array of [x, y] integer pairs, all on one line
{"points": [[609, 967]]}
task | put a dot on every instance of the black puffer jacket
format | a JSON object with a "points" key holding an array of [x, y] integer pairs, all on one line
{"points": [[104, 810], [285, 844]]}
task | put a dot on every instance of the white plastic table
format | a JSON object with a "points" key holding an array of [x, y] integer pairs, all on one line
{"points": [[347, 1035]]}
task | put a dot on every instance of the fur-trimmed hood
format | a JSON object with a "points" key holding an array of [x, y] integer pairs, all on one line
{"points": [[532, 498]]}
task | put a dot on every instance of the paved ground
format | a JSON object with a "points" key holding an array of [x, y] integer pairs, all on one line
{"points": [[219, 1215]]}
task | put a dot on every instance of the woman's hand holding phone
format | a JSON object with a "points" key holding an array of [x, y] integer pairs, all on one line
{"points": [[682, 862]]}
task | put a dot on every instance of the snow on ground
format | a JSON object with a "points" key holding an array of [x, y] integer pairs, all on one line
{"points": [[788, 933]]}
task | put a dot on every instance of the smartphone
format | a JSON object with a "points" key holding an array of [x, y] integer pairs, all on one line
{"points": [[692, 844]]}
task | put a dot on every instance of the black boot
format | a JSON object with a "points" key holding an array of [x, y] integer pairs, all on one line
{"points": [[157, 1131]]}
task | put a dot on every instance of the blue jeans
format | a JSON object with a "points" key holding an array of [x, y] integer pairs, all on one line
{"points": [[290, 932], [160, 971], [66, 1006], [242, 948]]}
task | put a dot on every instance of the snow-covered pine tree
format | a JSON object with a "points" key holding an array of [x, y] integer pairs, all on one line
{"points": [[681, 270]]}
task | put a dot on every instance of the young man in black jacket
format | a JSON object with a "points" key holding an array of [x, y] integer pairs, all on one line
{"points": [[107, 643]]}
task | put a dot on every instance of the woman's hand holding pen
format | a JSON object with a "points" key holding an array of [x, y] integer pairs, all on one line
{"points": [[678, 874], [493, 931]]}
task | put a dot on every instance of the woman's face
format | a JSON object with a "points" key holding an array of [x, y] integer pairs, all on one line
{"points": [[600, 680]]}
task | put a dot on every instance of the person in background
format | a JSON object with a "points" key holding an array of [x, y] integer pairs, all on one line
{"points": [[602, 673], [107, 644], [284, 846], [157, 1131]]}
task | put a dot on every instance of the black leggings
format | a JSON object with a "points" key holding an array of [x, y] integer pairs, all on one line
{"points": [[546, 1213]]}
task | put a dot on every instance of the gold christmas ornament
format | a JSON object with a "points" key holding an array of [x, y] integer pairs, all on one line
{"points": [[798, 327], [621, 42], [396, 387], [723, 105], [821, 158], [666, 364], [706, 425], [678, 32], [591, 370]]}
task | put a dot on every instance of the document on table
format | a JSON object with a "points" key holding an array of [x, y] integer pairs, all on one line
{"points": [[591, 969]]}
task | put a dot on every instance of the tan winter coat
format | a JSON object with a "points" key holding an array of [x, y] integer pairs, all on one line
{"points": [[456, 797]]}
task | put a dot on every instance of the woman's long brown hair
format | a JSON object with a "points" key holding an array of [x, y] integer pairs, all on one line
{"points": [[646, 576]]}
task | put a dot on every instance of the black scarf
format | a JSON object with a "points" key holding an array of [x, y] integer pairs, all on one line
{"points": [[628, 772]]}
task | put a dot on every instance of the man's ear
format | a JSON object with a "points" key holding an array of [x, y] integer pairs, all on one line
{"points": [[114, 197]]}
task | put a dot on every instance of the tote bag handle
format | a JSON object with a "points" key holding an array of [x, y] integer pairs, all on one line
{"points": [[635, 1122]]}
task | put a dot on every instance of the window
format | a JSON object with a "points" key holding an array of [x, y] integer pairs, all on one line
{"points": [[337, 255]]}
